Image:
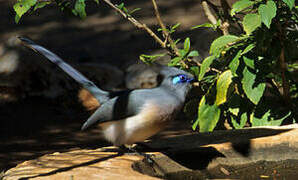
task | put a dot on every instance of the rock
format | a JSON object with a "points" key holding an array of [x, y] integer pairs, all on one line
{"points": [[106, 76], [78, 164], [249, 153], [141, 76], [8, 62]]}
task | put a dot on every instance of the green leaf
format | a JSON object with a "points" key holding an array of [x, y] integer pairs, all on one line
{"points": [[160, 29], [17, 18], [174, 27], [266, 120], [249, 62], [243, 120], [223, 83], [218, 24], [240, 5], [290, 3], [248, 48], [134, 10], [251, 22], [177, 41], [195, 125], [208, 115], [267, 12], [260, 121], [41, 4], [175, 61], [182, 53], [205, 65], [235, 63], [21, 7], [220, 43], [195, 70], [187, 45], [277, 122], [66, 5], [97, 1], [252, 91], [148, 59], [120, 6], [193, 53], [209, 25], [79, 8], [234, 111]]}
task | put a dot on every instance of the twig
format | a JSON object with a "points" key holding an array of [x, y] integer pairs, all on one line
{"points": [[283, 68], [208, 12], [275, 86], [225, 25], [137, 23], [285, 84], [166, 34], [225, 28], [210, 68]]}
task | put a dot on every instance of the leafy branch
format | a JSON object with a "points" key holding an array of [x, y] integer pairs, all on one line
{"points": [[165, 32], [249, 59], [136, 23]]}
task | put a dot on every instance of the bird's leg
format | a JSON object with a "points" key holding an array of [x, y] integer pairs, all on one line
{"points": [[130, 150]]}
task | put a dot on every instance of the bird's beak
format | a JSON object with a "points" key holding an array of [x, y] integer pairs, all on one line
{"points": [[194, 81], [191, 80]]}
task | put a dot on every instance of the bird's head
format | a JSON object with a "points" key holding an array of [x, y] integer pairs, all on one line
{"points": [[176, 79]]}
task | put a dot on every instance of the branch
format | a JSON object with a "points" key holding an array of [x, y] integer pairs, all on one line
{"points": [[208, 12], [225, 25], [137, 23], [275, 86], [285, 84], [166, 34], [210, 68], [283, 68]]}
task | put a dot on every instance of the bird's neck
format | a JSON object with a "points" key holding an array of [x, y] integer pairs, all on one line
{"points": [[178, 93]]}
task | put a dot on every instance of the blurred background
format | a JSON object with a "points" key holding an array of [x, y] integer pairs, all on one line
{"points": [[39, 107]]}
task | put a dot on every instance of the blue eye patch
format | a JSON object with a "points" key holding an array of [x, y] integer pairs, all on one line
{"points": [[182, 78], [176, 80]]}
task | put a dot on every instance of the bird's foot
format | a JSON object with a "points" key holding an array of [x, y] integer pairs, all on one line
{"points": [[130, 150]]}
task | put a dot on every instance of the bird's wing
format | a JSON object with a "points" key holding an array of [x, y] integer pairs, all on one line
{"points": [[133, 102], [117, 108], [100, 95]]}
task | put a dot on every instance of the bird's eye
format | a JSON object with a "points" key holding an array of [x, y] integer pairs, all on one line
{"points": [[182, 77]]}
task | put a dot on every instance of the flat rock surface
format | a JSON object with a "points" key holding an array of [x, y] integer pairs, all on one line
{"points": [[79, 164], [222, 154]]}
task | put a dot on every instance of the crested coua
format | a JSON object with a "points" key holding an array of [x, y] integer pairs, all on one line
{"points": [[130, 116]]}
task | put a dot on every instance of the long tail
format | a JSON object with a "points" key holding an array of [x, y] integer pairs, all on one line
{"points": [[101, 95]]}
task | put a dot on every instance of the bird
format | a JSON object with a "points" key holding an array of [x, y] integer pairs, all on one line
{"points": [[130, 116]]}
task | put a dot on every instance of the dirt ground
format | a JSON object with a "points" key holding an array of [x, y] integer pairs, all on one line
{"points": [[33, 126]]}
